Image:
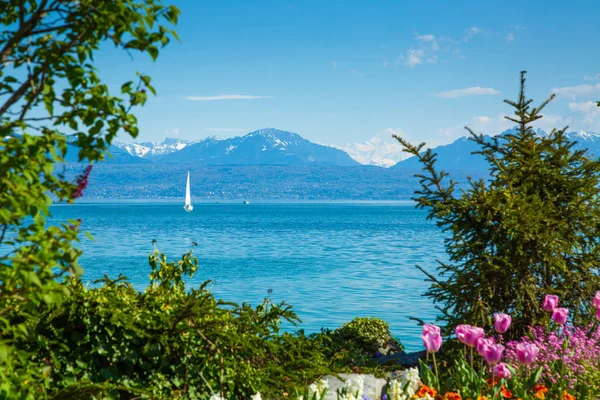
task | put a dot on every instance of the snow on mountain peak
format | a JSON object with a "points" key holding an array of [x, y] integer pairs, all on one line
{"points": [[382, 150]]}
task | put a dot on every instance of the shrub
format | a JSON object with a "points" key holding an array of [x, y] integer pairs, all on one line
{"points": [[530, 229], [371, 335], [169, 342]]}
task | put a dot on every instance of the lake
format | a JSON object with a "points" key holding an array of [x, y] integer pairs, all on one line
{"points": [[330, 261]]}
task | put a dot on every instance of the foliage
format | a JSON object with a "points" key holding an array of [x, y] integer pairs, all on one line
{"points": [[370, 334], [49, 89], [356, 345], [531, 229], [169, 342]]}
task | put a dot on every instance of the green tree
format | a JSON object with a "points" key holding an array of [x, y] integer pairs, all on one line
{"points": [[531, 228], [52, 97]]}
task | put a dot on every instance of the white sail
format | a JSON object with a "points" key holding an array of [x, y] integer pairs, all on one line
{"points": [[188, 198]]}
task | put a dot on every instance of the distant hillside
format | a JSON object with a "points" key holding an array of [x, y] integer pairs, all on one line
{"points": [[241, 182], [152, 149], [458, 155], [263, 147]]}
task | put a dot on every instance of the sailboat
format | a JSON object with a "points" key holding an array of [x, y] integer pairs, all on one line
{"points": [[188, 198]]}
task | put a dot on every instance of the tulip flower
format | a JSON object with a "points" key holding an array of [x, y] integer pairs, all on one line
{"points": [[527, 353], [598, 315], [596, 301], [432, 338], [427, 328], [461, 332], [550, 302], [501, 371], [493, 353], [482, 343], [502, 322], [559, 315], [472, 334]]}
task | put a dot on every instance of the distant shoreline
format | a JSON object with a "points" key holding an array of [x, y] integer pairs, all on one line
{"points": [[229, 202]]}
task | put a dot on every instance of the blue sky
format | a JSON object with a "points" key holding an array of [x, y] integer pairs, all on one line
{"points": [[344, 71]]}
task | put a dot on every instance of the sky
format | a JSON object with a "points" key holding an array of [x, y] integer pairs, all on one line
{"points": [[344, 71]]}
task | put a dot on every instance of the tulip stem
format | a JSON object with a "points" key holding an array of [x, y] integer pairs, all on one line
{"points": [[437, 377], [471, 358]]}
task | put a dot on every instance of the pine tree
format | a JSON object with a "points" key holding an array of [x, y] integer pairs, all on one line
{"points": [[531, 228]]}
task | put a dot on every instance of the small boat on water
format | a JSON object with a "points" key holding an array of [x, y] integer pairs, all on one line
{"points": [[188, 198], [246, 202]]}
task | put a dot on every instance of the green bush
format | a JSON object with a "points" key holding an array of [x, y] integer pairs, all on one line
{"points": [[169, 342], [371, 335]]}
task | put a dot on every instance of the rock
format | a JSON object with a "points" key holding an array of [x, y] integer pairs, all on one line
{"points": [[405, 360], [373, 387]]}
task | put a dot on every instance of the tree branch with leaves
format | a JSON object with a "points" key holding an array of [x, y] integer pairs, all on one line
{"points": [[529, 229], [52, 98]]}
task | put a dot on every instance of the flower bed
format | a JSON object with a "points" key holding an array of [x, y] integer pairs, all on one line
{"points": [[556, 361]]}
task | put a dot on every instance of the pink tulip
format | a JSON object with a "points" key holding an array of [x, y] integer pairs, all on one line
{"points": [[431, 328], [550, 302], [493, 353], [472, 334], [559, 315], [502, 322], [501, 371], [482, 344], [461, 333], [598, 315], [596, 301], [432, 339], [527, 353]]}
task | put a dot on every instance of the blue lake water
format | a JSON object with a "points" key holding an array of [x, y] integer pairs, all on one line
{"points": [[331, 261]]}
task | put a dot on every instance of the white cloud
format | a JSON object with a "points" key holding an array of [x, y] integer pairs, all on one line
{"points": [[580, 90], [510, 37], [590, 111], [471, 32], [428, 50], [494, 125], [472, 91], [414, 57], [592, 78], [226, 97], [426, 38]]}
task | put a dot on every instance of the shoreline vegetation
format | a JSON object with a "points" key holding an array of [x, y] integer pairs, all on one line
{"points": [[519, 299]]}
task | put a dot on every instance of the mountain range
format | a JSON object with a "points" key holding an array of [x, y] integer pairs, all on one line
{"points": [[458, 154], [276, 147], [262, 147]]}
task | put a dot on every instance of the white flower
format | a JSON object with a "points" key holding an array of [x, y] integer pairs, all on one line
{"points": [[410, 380], [257, 396], [426, 397], [318, 388], [216, 397], [355, 385], [395, 391]]}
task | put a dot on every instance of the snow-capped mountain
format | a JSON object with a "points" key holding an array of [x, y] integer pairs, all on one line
{"points": [[381, 150], [458, 154], [262, 147], [150, 149]]}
